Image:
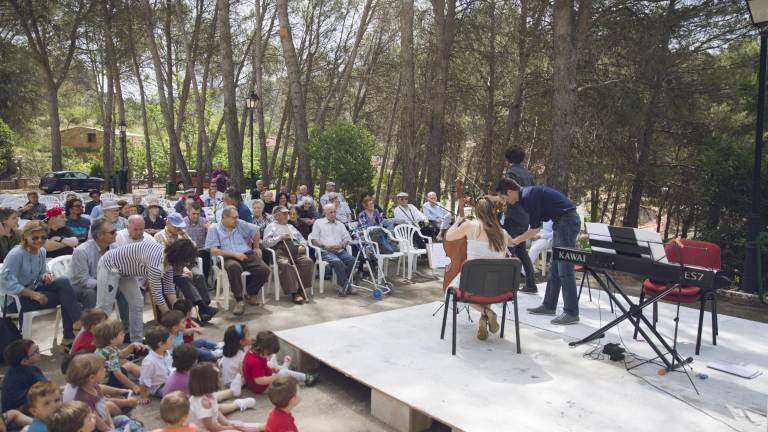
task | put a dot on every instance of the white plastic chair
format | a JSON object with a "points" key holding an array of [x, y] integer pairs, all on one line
{"points": [[383, 259], [56, 265], [246, 197], [543, 258], [222, 283], [406, 232], [50, 201], [274, 275], [63, 196], [109, 195]]}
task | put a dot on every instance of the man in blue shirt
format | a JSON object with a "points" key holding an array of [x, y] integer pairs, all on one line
{"points": [[543, 203], [233, 197]]}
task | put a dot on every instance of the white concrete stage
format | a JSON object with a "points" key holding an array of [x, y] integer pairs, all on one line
{"points": [[549, 387]]}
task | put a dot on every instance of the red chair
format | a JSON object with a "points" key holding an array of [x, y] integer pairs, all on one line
{"points": [[485, 282], [693, 253]]}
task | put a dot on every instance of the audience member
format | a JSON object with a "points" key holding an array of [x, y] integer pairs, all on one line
{"points": [[332, 237], [269, 201], [212, 197], [282, 200], [206, 412], [439, 217], [111, 212], [258, 190], [61, 240], [372, 219], [303, 193], [136, 200], [290, 247], [237, 340], [260, 366], [76, 221], [174, 321], [184, 357], [107, 337], [197, 228], [330, 187], [10, 235], [154, 222], [22, 357], [343, 213], [232, 197], [94, 202], [174, 410], [44, 399], [293, 199], [73, 416], [134, 232], [33, 209], [156, 366], [220, 177], [90, 319], [260, 218]]}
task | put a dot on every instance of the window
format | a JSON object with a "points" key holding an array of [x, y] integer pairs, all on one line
{"points": [[91, 137], [79, 175]]}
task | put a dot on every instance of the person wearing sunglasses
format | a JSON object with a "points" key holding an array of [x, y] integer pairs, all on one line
{"points": [[78, 223], [25, 274]]}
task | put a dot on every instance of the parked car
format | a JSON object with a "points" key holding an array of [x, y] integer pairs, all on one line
{"points": [[195, 178], [69, 181]]}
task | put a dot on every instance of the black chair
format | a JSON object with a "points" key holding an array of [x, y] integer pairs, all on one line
{"points": [[486, 282]]}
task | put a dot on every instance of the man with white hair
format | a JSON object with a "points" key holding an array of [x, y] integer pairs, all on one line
{"points": [[133, 232], [342, 208], [439, 217], [332, 237], [258, 190], [269, 201], [330, 187], [239, 243], [303, 193], [285, 239]]}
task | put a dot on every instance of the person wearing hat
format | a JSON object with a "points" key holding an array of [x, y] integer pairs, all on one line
{"points": [[285, 239], [406, 213], [189, 196], [111, 210], [95, 201], [192, 285], [61, 241], [330, 187], [33, 209], [154, 222]]}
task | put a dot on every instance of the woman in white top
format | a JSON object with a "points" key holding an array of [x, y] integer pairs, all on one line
{"points": [[485, 239]]}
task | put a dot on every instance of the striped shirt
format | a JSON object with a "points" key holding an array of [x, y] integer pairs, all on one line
{"points": [[145, 259]]}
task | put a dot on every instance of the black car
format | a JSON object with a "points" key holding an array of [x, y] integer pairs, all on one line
{"points": [[69, 181]]}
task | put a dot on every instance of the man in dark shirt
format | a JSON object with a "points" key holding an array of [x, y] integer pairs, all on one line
{"points": [[95, 200], [33, 209], [543, 203], [515, 221], [61, 240]]}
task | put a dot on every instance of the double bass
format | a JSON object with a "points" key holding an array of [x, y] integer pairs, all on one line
{"points": [[456, 250]]}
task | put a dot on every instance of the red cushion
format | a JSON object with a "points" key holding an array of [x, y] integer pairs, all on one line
{"points": [[483, 299], [683, 294], [578, 268]]}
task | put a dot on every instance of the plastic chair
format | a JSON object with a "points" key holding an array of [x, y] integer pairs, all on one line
{"points": [[383, 259], [485, 282], [274, 275], [321, 265], [407, 232], [50, 201], [222, 282], [693, 253], [109, 195]]}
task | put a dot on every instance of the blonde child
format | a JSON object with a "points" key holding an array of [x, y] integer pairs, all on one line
{"points": [[74, 416], [259, 369], [206, 412], [107, 337], [44, 399], [284, 395], [174, 410], [85, 374]]}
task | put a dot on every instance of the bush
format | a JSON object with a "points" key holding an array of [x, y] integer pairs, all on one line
{"points": [[7, 143], [344, 152]]}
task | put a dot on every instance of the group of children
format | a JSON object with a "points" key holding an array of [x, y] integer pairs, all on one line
{"points": [[105, 382]]}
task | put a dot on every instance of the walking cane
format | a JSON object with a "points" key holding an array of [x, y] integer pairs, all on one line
{"points": [[296, 269]]}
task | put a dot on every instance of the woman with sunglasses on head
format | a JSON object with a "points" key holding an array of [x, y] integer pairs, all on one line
{"points": [[76, 222], [25, 274]]}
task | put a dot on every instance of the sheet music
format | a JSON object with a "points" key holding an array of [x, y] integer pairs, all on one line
{"points": [[439, 258]]}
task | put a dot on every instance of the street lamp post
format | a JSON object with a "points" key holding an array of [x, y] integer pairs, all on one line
{"points": [[758, 12], [251, 102], [123, 178]]}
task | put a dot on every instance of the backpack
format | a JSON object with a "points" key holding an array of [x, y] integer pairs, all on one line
{"points": [[8, 333]]}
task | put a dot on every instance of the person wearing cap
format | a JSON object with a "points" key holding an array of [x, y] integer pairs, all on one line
{"points": [[285, 239], [330, 187], [332, 237], [192, 285], [95, 201], [77, 223], [133, 232], [343, 213], [239, 243], [111, 211], [154, 222], [61, 241], [33, 209]]}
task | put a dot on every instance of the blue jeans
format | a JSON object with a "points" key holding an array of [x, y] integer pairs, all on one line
{"points": [[342, 263], [59, 292], [125, 423], [565, 231], [205, 350]]}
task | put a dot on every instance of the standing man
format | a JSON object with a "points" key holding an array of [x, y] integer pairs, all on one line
{"points": [[515, 220], [220, 177], [332, 237], [239, 243], [286, 239], [543, 203]]}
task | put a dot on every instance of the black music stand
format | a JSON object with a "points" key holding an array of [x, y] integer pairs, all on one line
{"points": [[629, 245]]}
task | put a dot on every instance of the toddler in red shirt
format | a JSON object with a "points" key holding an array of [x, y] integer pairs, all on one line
{"points": [[90, 318], [284, 395], [258, 370]]}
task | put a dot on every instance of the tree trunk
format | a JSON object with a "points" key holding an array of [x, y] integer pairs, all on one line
{"points": [[490, 100], [143, 100], [258, 70], [234, 144], [445, 28], [408, 143], [53, 115], [278, 140], [109, 131], [296, 97], [385, 157], [391, 179]]}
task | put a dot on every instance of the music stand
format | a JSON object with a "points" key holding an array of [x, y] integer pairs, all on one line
{"points": [[632, 242]]}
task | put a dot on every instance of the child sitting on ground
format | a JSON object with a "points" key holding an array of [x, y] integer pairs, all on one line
{"points": [[258, 370], [156, 366], [85, 373], [117, 402], [22, 356], [237, 340], [206, 412], [107, 337], [44, 399], [90, 319], [73, 416], [174, 321], [186, 307], [184, 358], [284, 395], [174, 410]]}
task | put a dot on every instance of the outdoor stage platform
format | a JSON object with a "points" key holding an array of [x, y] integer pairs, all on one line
{"points": [[487, 386]]}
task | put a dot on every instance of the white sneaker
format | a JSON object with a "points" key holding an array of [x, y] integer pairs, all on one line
{"points": [[245, 403], [220, 345], [272, 362], [236, 386], [218, 353]]}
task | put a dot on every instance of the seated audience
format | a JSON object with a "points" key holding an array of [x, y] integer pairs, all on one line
{"points": [[22, 357], [76, 221], [303, 193], [330, 187], [332, 237], [136, 201], [44, 399], [307, 212], [33, 209], [25, 274], [61, 240], [73, 416], [174, 410], [134, 232], [175, 322], [10, 235], [239, 243], [269, 201], [285, 239], [154, 221], [282, 199], [361, 204], [343, 213], [94, 202], [371, 218], [260, 218], [107, 338], [237, 340], [184, 357], [212, 197], [293, 199], [299, 223], [206, 412], [197, 228], [260, 367], [439, 217], [111, 212], [232, 197], [258, 190], [406, 213]]}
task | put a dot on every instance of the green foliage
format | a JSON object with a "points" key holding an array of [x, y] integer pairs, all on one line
{"points": [[7, 143], [344, 152], [97, 170]]}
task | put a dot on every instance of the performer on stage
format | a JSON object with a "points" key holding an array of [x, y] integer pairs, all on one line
{"points": [[485, 239], [515, 220], [543, 203]]}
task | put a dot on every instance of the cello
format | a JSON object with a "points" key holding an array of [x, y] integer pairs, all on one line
{"points": [[456, 250]]}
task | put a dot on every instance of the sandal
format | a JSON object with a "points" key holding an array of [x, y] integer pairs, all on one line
{"points": [[493, 322], [298, 299]]}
